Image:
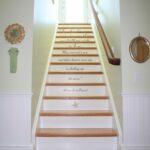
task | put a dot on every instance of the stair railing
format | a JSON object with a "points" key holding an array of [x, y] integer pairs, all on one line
{"points": [[109, 53]]}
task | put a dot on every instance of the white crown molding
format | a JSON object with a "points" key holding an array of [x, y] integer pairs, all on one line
{"points": [[20, 147]]}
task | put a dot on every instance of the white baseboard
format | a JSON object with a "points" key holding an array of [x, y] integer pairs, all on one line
{"points": [[28, 147], [135, 147]]}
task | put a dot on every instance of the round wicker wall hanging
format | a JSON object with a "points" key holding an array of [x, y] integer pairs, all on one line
{"points": [[14, 33]]}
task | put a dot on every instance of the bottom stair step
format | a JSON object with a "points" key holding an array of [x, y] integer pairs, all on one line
{"points": [[73, 143], [76, 113], [76, 132]]}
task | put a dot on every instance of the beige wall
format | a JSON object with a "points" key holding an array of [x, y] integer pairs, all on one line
{"points": [[109, 14], [45, 14], [135, 16], [16, 11]]}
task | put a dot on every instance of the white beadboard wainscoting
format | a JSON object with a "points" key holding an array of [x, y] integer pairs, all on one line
{"points": [[136, 121], [15, 121]]}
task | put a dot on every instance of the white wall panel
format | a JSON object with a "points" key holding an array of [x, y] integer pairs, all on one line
{"points": [[136, 119]]}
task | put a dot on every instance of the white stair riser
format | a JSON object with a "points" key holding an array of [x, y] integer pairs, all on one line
{"points": [[74, 45], [75, 105], [75, 59], [82, 143], [75, 78], [69, 52], [74, 30], [76, 122], [74, 39], [75, 91], [74, 25], [75, 68], [75, 34]]}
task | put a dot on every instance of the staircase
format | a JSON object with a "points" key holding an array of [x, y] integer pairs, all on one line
{"points": [[75, 112]]}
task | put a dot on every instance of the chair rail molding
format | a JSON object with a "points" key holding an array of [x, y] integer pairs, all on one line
{"points": [[136, 120], [15, 116]]}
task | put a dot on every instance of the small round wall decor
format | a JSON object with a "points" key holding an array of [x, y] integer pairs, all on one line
{"points": [[14, 33]]}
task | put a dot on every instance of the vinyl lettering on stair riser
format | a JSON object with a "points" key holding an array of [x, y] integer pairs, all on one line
{"points": [[15, 124], [76, 105], [73, 59], [67, 52], [136, 121], [75, 34], [75, 45], [75, 68], [76, 91], [75, 78]]}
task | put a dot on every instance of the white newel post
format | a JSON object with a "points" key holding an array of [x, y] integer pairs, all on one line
{"points": [[15, 121], [136, 121]]}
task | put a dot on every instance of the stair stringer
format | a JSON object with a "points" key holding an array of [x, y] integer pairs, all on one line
{"points": [[116, 122], [39, 104]]}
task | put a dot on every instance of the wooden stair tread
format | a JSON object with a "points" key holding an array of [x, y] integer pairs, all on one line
{"points": [[74, 36], [74, 63], [77, 42], [74, 23], [54, 72], [75, 27], [74, 55], [76, 97], [75, 84], [87, 48], [76, 113], [76, 132]]}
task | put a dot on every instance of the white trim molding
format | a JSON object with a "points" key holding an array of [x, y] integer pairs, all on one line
{"points": [[28, 147], [136, 121]]}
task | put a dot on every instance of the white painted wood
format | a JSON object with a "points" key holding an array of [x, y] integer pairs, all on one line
{"points": [[75, 91], [135, 147], [100, 48], [61, 30], [102, 143], [75, 68], [36, 119], [80, 51], [75, 39], [75, 105], [74, 25], [15, 115], [136, 119], [75, 59], [60, 78], [76, 122], [75, 45], [20, 147], [75, 34]]}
